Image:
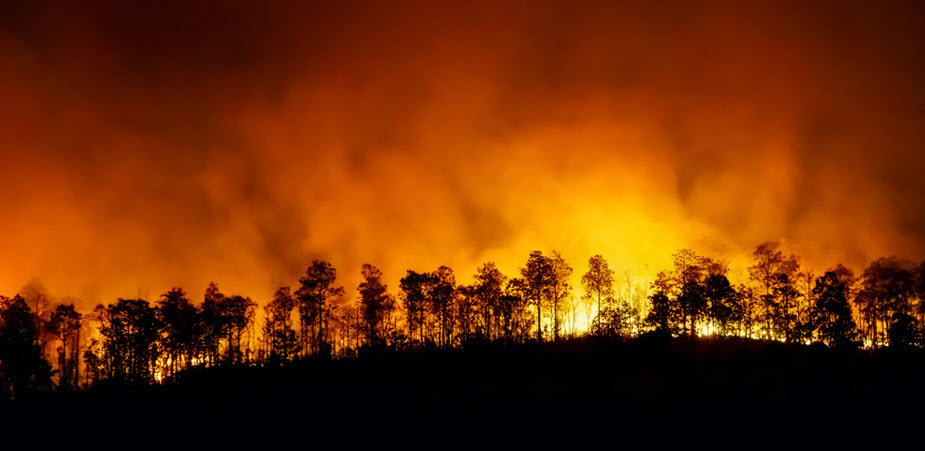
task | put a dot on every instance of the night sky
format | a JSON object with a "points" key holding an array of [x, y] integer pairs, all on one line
{"points": [[176, 143]]}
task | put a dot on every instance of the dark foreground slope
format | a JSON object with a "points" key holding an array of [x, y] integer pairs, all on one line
{"points": [[652, 390]]}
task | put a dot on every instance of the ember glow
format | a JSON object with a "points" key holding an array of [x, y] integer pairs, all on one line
{"points": [[145, 147]]}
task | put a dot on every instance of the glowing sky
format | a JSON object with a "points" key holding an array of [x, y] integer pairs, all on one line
{"points": [[143, 147]]}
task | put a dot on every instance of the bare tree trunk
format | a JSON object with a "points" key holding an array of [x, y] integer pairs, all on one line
{"points": [[77, 359], [555, 318]]}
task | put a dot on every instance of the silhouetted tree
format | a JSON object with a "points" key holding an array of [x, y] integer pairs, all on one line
{"points": [[635, 296], [805, 320], [21, 361], [723, 309], [236, 315], [686, 274], [538, 278], [442, 297], [65, 323], [374, 300], [348, 331], [277, 331], [747, 305], [465, 313], [615, 320], [210, 322], [903, 331], [559, 290], [770, 262], [831, 311], [415, 288], [516, 321], [488, 291], [179, 329], [784, 308], [687, 282], [693, 303], [36, 295], [887, 286], [316, 295], [99, 317], [130, 341], [94, 362], [664, 315], [597, 283]]}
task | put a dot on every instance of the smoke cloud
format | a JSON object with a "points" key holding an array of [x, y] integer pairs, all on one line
{"points": [[149, 146]]}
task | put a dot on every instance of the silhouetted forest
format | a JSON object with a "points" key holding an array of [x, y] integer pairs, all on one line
{"points": [[690, 336]]}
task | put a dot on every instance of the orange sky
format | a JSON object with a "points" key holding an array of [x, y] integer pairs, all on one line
{"points": [[174, 144]]}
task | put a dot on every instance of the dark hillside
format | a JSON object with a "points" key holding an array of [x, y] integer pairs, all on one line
{"points": [[721, 388]]}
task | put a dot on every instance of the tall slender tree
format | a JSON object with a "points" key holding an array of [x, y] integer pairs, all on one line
{"points": [[278, 334], [560, 289], [597, 283], [415, 288], [785, 308], [316, 295], [721, 297], [516, 321], [236, 315], [179, 329], [65, 323], [374, 300], [770, 262], [37, 297], [489, 282], [442, 297], [538, 278], [211, 323]]}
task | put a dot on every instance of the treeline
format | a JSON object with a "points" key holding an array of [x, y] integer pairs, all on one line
{"points": [[136, 342]]}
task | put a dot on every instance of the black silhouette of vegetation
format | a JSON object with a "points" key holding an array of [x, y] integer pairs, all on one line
{"points": [[690, 338]]}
